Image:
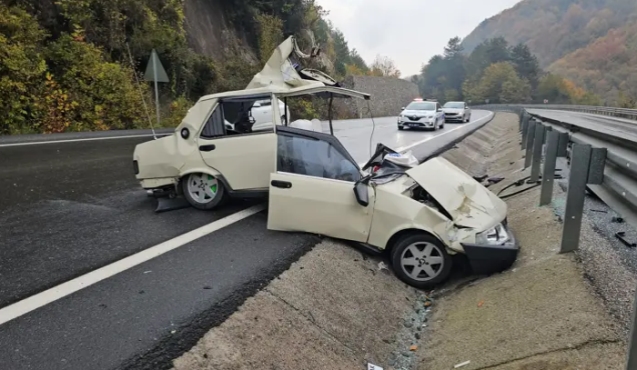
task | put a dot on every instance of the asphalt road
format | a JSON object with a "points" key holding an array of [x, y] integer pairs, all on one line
{"points": [[70, 207], [618, 127]]}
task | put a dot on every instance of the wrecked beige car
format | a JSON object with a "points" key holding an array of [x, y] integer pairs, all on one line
{"points": [[217, 152], [422, 215]]}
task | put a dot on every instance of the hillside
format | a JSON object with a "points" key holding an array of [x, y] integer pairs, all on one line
{"points": [[73, 65], [588, 41]]}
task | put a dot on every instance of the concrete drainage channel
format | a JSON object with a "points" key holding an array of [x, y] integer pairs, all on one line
{"points": [[337, 308]]}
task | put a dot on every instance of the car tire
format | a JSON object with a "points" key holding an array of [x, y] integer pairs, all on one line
{"points": [[195, 186], [406, 252], [401, 128]]}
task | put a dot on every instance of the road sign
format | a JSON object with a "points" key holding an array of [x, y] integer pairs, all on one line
{"points": [[154, 70]]}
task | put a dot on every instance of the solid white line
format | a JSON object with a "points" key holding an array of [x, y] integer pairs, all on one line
{"points": [[53, 294], [405, 148], [78, 140]]}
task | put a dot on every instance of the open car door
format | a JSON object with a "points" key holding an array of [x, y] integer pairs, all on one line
{"points": [[312, 188]]}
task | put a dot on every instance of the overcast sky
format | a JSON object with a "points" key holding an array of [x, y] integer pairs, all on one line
{"points": [[408, 31]]}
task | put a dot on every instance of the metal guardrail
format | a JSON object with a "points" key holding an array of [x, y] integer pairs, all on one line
{"points": [[618, 169], [604, 111], [602, 161]]}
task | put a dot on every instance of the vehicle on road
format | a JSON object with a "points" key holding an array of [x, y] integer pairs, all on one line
{"points": [[457, 111], [217, 152], [261, 113], [422, 114], [420, 215]]}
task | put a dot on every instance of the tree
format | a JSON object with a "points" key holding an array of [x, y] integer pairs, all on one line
{"points": [[500, 84], [553, 89], [526, 64], [384, 66]]}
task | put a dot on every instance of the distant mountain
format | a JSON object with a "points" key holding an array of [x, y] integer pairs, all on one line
{"points": [[592, 42]]}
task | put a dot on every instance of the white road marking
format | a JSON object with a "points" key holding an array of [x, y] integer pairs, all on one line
{"points": [[407, 147], [78, 140], [36, 301]]}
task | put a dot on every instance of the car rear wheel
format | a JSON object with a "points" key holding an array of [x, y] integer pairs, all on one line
{"points": [[203, 191], [421, 261]]}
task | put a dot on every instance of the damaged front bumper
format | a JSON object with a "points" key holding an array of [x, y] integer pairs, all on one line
{"points": [[487, 259]]}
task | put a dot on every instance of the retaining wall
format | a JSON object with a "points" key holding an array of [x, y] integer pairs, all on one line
{"points": [[389, 95]]}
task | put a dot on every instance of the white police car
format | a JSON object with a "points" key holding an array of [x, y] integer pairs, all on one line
{"points": [[424, 114]]}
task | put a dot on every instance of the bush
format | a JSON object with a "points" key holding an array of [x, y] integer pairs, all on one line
{"points": [[103, 93], [22, 71]]}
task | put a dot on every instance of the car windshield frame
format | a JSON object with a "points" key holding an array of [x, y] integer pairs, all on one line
{"points": [[422, 105], [454, 105]]}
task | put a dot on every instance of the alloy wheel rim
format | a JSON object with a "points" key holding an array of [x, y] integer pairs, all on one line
{"points": [[422, 261], [203, 188]]}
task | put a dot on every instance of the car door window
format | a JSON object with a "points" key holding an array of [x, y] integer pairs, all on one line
{"points": [[215, 125], [314, 157]]}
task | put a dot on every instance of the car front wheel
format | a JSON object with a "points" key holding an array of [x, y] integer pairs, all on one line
{"points": [[203, 191], [421, 260]]}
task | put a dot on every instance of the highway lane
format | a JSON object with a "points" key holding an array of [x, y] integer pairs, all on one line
{"points": [[613, 126], [75, 207]]}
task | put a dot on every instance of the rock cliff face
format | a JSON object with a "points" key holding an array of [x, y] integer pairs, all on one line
{"points": [[211, 34]]}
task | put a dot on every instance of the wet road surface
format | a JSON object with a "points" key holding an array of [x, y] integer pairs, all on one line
{"points": [[68, 208]]}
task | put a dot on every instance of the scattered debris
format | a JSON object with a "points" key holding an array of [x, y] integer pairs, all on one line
{"points": [[462, 364], [427, 303], [413, 348], [147, 272], [480, 304], [371, 366], [480, 178], [173, 331], [495, 180], [382, 266], [207, 287], [617, 220], [599, 210], [621, 236]]}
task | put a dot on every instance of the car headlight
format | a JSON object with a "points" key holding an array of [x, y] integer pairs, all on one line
{"points": [[493, 236]]}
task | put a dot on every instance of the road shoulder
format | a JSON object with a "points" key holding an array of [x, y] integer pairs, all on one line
{"points": [[542, 313]]}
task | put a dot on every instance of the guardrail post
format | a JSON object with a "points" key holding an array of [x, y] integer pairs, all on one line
{"points": [[538, 143], [580, 161], [525, 129], [596, 169], [631, 363], [562, 145], [548, 177], [530, 135]]}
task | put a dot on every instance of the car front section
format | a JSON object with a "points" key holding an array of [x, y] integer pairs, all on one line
{"points": [[494, 250]]}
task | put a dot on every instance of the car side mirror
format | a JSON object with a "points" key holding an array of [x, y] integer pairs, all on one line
{"points": [[362, 193], [403, 108]]}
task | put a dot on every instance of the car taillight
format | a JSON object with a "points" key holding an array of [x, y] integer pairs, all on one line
{"points": [[376, 168], [136, 167]]}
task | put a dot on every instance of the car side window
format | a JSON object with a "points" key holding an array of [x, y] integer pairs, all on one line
{"points": [[215, 125], [314, 157]]}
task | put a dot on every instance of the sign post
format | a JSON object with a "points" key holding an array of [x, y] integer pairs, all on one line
{"points": [[156, 73]]}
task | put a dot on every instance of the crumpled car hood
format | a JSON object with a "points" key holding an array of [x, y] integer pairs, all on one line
{"points": [[468, 202]]}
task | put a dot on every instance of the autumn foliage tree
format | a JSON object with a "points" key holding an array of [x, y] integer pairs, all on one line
{"points": [[495, 72], [384, 66]]}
